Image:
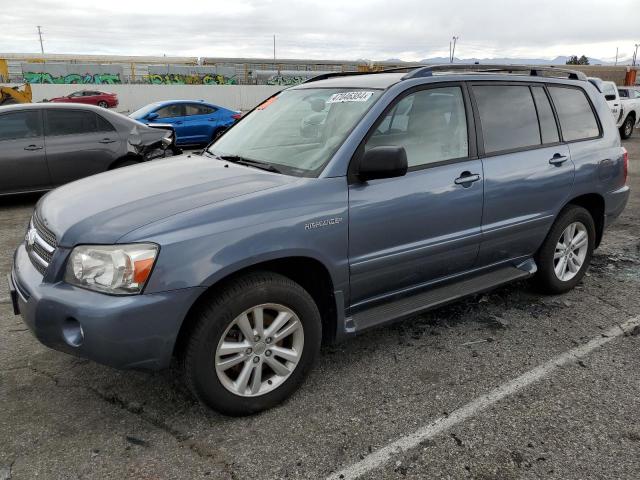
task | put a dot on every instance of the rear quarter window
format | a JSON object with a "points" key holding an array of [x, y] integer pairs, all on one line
{"points": [[577, 119]]}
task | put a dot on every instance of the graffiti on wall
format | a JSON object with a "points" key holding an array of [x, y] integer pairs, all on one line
{"points": [[286, 80], [72, 78], [190, 75], [72, 73], [189, 79]]}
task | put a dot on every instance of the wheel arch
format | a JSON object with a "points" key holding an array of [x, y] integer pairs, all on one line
{"points": [[594, 204], [308, 272]]}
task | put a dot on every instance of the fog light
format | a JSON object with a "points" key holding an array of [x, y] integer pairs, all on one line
{"points": [[72, 332]]}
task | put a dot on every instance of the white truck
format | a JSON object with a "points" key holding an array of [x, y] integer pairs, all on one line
{"points": [[630, 104], [624, 115]]}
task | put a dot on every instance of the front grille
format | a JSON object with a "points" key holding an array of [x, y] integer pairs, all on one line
{"points": [[41, 244]]}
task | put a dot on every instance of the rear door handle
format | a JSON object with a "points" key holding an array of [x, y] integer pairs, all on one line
{"points": [[33, 147], [107, 140], [558, 159], [178, 123], [467, 178]]}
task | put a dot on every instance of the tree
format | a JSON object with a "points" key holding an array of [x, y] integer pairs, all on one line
{"points": [[574, 60]]}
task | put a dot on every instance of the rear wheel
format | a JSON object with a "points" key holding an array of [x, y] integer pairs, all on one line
{"points": [[566, 253], [252, 345], [626, 130], [103, 104]]}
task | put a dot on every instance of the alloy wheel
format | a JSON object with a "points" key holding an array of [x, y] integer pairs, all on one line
{"points": [[571, 251], [259, 350]]}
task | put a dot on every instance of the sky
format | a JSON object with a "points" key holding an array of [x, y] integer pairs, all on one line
{"points": [[409, 30]]}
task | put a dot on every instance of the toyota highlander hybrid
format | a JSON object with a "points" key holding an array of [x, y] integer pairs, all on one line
{"points": [[335, 206]]}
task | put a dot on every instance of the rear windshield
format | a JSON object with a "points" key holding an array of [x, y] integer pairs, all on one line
{"points": [[299, 130]]}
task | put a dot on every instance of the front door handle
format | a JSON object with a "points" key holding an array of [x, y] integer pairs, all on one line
{"points": [[178, 123], [558, 159], [466, 179], [107, 140], [33, 147]]}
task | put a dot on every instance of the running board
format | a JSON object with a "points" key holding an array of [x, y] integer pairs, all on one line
{"points": [[437, 296]]}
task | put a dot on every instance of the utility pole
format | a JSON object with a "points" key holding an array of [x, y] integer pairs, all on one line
{"points": [[635, 54], [616, 56], [274, 49], [40, 36], [453, 49]]}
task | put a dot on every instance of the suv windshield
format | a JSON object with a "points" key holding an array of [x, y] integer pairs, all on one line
{"points": [[298, 131]]}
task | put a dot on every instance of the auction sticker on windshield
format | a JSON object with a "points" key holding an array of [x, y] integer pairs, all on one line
{"points": [[350, 97]]}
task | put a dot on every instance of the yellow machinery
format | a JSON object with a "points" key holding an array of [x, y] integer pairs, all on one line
{"points": [[11, 95]]}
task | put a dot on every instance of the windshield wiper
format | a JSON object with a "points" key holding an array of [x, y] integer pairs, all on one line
{"points": [[249, 162]]}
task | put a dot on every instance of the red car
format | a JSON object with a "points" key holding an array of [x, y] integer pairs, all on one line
{"points": [[91, 97]]}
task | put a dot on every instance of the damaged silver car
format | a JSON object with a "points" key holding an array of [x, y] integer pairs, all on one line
{"points": [[43, 146]]}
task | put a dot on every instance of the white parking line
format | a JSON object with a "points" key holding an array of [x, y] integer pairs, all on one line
{"points": [[385, 454]]}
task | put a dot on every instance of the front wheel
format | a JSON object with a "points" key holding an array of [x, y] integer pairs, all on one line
{"points": [[566, 253], [626, 130], [252, 345]]}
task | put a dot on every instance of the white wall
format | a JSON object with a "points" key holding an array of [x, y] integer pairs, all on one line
{"points": [[132, 96]]}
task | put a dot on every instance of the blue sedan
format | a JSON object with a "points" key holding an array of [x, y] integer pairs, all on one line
{"points": [[195, 122]]}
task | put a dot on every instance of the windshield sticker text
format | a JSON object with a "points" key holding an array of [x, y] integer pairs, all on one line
{"points": [[350, 97]]}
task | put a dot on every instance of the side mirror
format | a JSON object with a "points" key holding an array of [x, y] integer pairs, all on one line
{"points": [[152, 116], [610, 97], [383, 162]]}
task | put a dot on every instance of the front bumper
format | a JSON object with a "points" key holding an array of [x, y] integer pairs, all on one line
{"points": [[134, 331]]}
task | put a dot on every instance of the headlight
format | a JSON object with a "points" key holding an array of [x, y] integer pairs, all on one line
{"points": [[115, 269]]}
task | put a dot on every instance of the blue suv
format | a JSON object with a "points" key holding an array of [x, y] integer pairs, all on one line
{"points": [[195, 122], [334, 206]]}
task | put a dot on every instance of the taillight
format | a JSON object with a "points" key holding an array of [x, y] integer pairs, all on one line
{"points": [[236, 116], [625, 167]]}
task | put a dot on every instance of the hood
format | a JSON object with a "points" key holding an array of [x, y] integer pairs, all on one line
{"points": [[104, 207]]}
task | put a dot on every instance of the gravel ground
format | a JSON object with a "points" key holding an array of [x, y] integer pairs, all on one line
{"points": [[64, 417]]}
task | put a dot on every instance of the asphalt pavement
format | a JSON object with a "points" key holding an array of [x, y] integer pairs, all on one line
{"points": [[415, 399]]}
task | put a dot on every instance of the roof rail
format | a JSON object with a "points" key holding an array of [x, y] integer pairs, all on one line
{"points": [[534, 71], [324, 76], [418, 71]]}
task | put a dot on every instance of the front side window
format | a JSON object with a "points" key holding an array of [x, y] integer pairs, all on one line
{"points": [[430, 124], [20, 125], [508, 117], [623, 93], [299, 130], [69, 122], [576, 116], [170, 111]]}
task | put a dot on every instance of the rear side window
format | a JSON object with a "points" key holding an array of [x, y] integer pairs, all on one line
{"points": [[194, 109], [548, 127], [430, 124], [104, 125], [577, 120], [70, 122], [508, 117], [20, 125]]}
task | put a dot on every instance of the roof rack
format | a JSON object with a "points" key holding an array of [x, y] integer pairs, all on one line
{"points": [[419, 71]]}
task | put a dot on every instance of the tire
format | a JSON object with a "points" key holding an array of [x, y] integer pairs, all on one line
{"points": [[103, 104], [626, 129], [218, 319], [547, 278]]}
